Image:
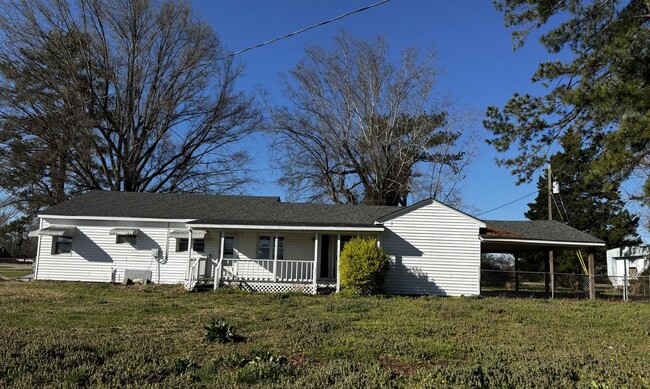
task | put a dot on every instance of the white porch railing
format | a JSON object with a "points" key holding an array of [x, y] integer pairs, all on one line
{"points": [[299, 271]]}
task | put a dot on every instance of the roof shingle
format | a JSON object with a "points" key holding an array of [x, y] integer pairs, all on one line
{"points": [[218, 209], [545, 230]]}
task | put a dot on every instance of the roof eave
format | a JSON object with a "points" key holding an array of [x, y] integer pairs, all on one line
{"points": [[288, 227], [536, 242]]}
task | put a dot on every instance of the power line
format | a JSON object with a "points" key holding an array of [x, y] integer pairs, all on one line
{"points": [[509, 203], [303, 30], [236, 53]]}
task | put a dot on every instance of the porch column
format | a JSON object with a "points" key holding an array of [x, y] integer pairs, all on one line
{"points": [[338, 262], [189, 255], [275, 258], [217, 271], [316, 262]]}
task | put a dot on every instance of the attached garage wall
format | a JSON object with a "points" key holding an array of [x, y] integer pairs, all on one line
{"points": [[434, 250]]}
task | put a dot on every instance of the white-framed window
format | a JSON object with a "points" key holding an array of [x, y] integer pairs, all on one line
{"points": [[62, 245], [266, 248], [198, 245], [126, 239]]}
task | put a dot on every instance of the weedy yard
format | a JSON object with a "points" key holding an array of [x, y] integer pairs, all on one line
{"points": [[75, 334]]}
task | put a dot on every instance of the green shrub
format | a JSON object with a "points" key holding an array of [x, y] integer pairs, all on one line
{"points": [[364, 266], [221, 332]]}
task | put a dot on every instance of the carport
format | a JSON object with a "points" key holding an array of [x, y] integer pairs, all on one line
{"points": [[516, 237]]}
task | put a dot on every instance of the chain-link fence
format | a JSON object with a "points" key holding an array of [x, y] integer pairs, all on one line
{"points": [[538, 284]]}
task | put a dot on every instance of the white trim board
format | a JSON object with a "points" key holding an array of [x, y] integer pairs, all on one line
{"points": [[285, 228], [543, 242]]}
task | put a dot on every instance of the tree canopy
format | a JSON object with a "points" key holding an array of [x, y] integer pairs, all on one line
{"points": [[602, 93], [361, 129], [128, 95], [595, 209]]}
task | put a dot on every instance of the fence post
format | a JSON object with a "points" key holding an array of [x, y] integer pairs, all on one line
{"points": [[625, 280], [592, 277]]}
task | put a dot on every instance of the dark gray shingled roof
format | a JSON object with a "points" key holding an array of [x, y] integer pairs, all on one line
{"points": [[546, 230], [216, 209]]}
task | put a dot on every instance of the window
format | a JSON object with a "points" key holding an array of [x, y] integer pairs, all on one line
{"points": [[62, 245], [198, 245], [632, 272], [130, 239], [265, 247], [229, 247]]}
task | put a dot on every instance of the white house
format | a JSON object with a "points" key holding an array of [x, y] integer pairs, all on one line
{"points": [[627, 261], [264, 244]]}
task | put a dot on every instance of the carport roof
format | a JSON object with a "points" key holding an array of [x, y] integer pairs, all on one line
{"points": [[505, 236]]}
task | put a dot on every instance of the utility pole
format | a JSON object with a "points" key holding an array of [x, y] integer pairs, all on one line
{"points": [[550, 217]]}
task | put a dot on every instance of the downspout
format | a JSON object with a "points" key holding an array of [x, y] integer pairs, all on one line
{"points": [[164, 258]]}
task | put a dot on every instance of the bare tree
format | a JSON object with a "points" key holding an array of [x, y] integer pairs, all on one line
{"points": [[361, 129], [129, 95]]}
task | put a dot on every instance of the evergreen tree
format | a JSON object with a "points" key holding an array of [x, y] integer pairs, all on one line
{"points": [[589, 207], [598, 87]]}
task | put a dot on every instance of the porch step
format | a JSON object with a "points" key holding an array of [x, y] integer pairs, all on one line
{"points": [[203, 287], [326, 289]]}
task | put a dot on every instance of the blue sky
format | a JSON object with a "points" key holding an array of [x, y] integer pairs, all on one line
{"points": [[474, 49]]}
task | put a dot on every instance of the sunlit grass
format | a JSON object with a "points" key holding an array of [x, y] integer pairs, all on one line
{"points": [[68, 334], [15, 271]]}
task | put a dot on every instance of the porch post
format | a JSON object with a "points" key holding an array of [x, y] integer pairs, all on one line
{"points": [[338, 262], [189, 255], [275, 257], [316, 262], [217, 271]]}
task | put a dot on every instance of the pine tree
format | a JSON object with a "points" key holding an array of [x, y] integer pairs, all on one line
{"points": [[594, 208]]}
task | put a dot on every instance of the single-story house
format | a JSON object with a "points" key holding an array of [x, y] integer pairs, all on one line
{"points": [[628, 261], [265, 244]]}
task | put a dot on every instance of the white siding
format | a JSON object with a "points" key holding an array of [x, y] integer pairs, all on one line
{"points": [[95, 256], [434, 250]]}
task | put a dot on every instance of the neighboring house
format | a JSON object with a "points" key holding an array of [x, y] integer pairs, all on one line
{"points": [[4, 253], [264, 244], [630, 261]]}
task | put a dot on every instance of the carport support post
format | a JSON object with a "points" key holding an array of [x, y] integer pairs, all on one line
{"points": [[592, 276], [547, 279], [516, 272], [551, 270]]}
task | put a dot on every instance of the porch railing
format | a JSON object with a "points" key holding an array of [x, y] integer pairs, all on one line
{"points": [[266, 270]]}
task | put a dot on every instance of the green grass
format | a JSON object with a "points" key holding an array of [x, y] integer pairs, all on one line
{"points": [[15, 271], [75, 334]]}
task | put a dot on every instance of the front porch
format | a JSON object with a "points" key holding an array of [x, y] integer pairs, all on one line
{"points": [[262, 260]]}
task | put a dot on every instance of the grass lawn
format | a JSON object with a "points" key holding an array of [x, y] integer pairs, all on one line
{"points": [[75, 334], [15, 270]]}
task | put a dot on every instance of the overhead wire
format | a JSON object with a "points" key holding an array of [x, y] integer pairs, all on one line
{"points": [[564, 215], [508, 203], [230, 55]]}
